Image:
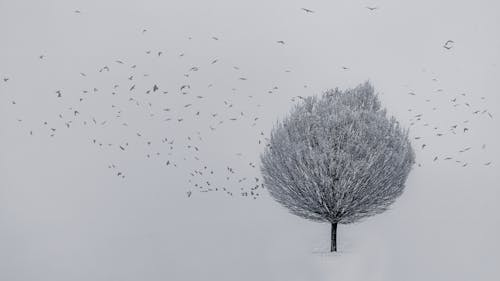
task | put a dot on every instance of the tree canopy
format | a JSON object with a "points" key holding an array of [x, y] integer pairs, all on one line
{"points": [[338, 157]]}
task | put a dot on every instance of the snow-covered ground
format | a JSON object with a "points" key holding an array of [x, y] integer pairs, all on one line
{"points": [[64, 215]]}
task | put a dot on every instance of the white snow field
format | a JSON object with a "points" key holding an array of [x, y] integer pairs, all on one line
{"points": [[66, 216]]}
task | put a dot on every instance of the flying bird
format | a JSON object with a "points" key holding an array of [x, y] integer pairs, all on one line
{"points": [[448, 44], [307, 10]]}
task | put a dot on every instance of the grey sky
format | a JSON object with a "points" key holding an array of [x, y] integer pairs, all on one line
{"points": [[65, 216]]}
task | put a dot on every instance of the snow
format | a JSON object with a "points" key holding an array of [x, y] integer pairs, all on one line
{"points": [[64, 216]]}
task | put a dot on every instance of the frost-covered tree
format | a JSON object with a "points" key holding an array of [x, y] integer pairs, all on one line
{"points": [[337, 158]]}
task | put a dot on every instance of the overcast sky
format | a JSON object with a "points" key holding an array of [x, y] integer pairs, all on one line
{"points": [[65, 215]]}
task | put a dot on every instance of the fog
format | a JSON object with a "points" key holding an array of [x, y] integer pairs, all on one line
{"points": [[65, 215]]}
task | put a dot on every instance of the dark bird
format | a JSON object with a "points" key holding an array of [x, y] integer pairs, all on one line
{"points": [[307, 10], [448, 44], [281, 42], [372, 8], [155, 88]]}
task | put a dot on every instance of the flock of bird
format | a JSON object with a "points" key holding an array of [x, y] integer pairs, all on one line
{"points": [[140, 95], [455, 129], [476, 109], [136, 95]]}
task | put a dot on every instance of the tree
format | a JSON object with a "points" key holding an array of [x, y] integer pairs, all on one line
{"points": [[337, 158]]}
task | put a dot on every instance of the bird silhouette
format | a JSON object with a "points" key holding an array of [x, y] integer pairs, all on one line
{"points": [[448, 44], [307, 10]]}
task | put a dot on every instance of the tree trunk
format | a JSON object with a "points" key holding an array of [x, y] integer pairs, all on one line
{"points": [[333, 247]]}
